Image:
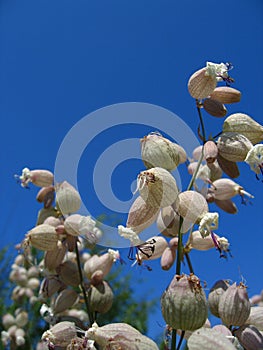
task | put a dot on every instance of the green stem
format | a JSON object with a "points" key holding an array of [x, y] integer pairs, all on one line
{"points": [[180, 247], [196, 170], [189, 262], [181, 340], [173, 344], [91, 318], [201, 120]]}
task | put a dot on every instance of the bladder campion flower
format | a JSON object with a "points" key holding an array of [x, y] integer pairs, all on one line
{"points": [[255, 159]]}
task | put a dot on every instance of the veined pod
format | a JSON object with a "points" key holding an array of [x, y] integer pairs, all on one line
{"points": [[69, 273], [215, 170], [65, 300], [201, 84], [67, 198], [168, 222], [39, 177], [233, 146], [100, 297], [46, 195], [214, 107], [184, 303], [226, 94], [227, 205], [42, 237], [210, 152], [256, 317], [228, 167], [249, 337], [226, 188], [207, 339], [192, 206], [215, 294], [157, 187], [157, 151], [152, 249], [53, 258], [243, 124], [45, 213], [60, 334], [119, 336]]}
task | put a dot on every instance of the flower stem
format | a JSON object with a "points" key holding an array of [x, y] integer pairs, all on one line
{"points": [[173, 344], [189, 262], [91, 318], [180, 247], [201, 120]]}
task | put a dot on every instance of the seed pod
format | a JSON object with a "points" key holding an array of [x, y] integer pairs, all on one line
{"points": [[46, 195], [215, 171], [215, 294], [168, 258], [184, 303], [60, 334], [210, 151], [69, 273], [103, 263], [192, 206], [227, 205], [249, 337], [71, 224], [181, 152], [40, 178], [157, 151], [157, 187], [223, 330], [53, 258], [226, 94], [196, 241], [214, 107], [197, 152], [207, 339], [225, 189], [243, 124], [52, 221], [42, 237], [234, 305], [100, 297], [8, 320], [49, 286], [67, 198], [64, 300], [233, 146], [141, 215], [168, 222], [152, 249], [256, 317], [96, 277], [119, 336], [228, 167], [201, 85], [45, 213]]}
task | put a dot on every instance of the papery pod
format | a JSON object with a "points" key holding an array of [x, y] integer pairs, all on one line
{"points": [[42, 237], [181, 151], [233, 146], [71, 224], [141, 215], [201, 85], [46, 195], [208, 339], [184, 303], [168, 258], [214, 107], [192, 206], [60, 334], [197, 152], [227, 205], [168, 222], [152, 249], [119, 336], [234, 305], [196, 241], [228, 167], [157, 151], [67, 198], [243, 124], [256, 317], [103, 263], [215, 294], [210, 151], [226, 94], [49, 286], [64, 300], [52, 221], [187, 334], [157, 187], [249, 337], [215, 170], [100, 297], [223, 330], [69, 273], [45, 213]]}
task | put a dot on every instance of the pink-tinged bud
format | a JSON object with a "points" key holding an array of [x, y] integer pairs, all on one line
{"points": [[184, 303], [157, 151], [227, 205], [249, 337], [69, 273], [197, 241], [42, 237], [201, 84], [234, 305], [256, 317], [119, 336], [40, 178], [215, 294], [152, 249], [226, 188], [60, 229], [45, 213], [49, 286], [100, 297], [46, 195], [33, 271], [226, 94], [192, 206], [223, 330], [67, 198], [214, 107], [173, 243], [228, 167], [103, 263], [54, 258], [191, 167], [60, 334], [52, 221], [233, 146], [207, 339], [96, 277], [65, 300], [168, 258], [157, 187], [210, 151]]}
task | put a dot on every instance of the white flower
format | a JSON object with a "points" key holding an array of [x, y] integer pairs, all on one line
{"points": [[218, 70], [255, 158], [25, 178], [208, 223], [128, 233], [223, 244]]}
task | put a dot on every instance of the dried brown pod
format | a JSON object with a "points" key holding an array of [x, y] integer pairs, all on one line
{"points": [[226, 94], [46, 195], [249, 337], [233, 146], [227, 205], [68, 273], [215, 170], [200, 84], [64, 300], [228, 167], [214, 107], [53, 258]]}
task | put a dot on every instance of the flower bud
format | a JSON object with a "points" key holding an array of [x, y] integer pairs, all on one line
{"points": [[8, 320], [100, 297], [184, 303], [21, 319], [60, 334], [207, 339], [210, 151], [243, 124], [42, 237], [52, 221], [157, 187], [225, 189], [226, 94], [192, 206], [233, 146], [65, 300], [234, 305], [197, 153], [228, 167], [215, 171], [67, 198], [152, 249], [49, 286], [45, 213], [214, 296], [40, 178], [54, 258], [46, 195], [103, 263], [223, 330], [157, 151], [168, 258], [214, 107], [33, 283], [201, 84], [69, 273], [256, 317], [119, 336], [249, 337]]}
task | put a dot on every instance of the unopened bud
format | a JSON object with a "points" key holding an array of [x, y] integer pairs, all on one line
{"points": [[214, 107], [100, 297], [168, 258], [65, 300], [214, 296], [226, 94], [210, 151], [46, 195]]}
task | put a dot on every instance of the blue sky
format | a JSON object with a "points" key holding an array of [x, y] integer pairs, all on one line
{"points": [[62, 60]]}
